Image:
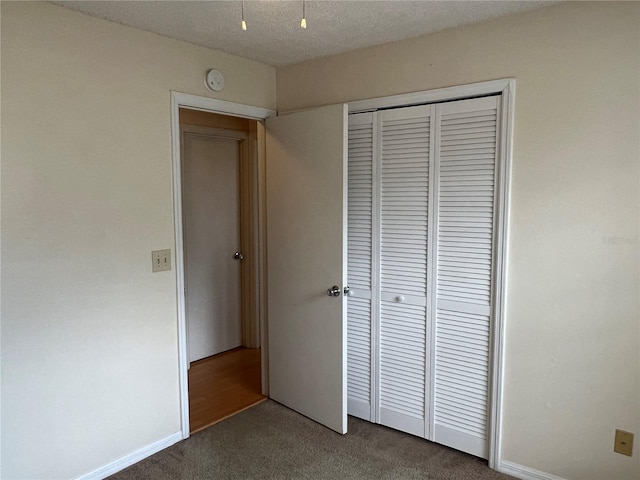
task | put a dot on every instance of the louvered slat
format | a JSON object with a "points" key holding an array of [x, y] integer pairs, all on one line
{"points": [[466, 161], [404, 178], [359, 254]]}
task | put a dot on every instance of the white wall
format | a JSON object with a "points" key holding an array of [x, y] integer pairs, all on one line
{"points": [[89, 334], [573, 317]]}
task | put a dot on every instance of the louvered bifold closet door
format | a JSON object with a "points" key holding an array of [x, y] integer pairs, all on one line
{"points": [[466, 163], [359, 274], [405, 136]]}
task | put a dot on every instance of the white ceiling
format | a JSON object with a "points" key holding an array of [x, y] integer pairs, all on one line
{"points": [[274, 35]]}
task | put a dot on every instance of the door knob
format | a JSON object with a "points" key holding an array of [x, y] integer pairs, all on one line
{"points": [[238, 256], [334, 291], [347, 291]]}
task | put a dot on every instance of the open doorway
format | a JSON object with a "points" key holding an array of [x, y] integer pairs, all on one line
{"points": [[219, 225]]}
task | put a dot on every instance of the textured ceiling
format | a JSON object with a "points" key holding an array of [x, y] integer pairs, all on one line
{"points": [[274, 35]]}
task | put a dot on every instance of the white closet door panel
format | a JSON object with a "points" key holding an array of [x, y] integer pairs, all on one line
{"points": [[405, 143], [421, 271], [465, 207], [360, 248]]}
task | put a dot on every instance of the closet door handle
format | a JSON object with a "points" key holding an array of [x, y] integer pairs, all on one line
{"points": [[400, 298]]}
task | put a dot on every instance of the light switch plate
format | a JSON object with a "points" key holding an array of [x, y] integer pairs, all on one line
{"points": [[161, 260], [623, 443]]}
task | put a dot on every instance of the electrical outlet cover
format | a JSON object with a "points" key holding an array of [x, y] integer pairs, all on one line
{"points": [[623, 443]]}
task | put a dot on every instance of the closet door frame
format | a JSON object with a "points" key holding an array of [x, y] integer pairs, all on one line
{"points": [[506, 89]]}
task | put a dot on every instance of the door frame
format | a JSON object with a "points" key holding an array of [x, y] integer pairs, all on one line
{"points": [[206, 104], [506, 88]]}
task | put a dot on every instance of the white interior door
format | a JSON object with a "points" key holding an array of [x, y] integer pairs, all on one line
{"points": [[210, 203], [306, 242]]}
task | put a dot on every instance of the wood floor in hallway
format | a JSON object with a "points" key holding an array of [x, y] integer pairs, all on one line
{"points": [[222, 385]]}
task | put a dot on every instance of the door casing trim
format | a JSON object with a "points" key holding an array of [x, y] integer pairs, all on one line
{"points": [[212, 105]]}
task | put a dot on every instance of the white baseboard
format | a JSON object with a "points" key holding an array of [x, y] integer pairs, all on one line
{"points": [[525, 473], [131, 458]]}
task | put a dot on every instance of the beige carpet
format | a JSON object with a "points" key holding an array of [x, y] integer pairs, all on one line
{"points": [[270, 441]]}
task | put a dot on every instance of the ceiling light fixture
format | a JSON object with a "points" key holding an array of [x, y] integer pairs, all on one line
{"points": [[303, 22], [243, 24]]}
